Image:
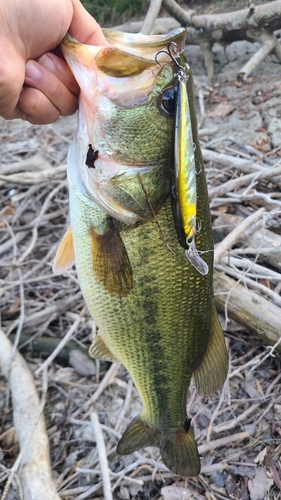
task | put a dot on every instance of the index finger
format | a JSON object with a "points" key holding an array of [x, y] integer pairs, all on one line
{"points": [[84, 27]]}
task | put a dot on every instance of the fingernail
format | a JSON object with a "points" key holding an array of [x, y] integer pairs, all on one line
{"points": [[48, 63], [32, 71]]}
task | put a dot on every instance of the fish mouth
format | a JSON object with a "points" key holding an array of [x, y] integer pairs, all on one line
{"points": [[115, 82]]}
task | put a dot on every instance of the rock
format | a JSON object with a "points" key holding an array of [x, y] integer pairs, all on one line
{"points": [[81, 363], [276, 139], [259, 485]]}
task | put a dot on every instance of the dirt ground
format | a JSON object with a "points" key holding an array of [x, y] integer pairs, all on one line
{"points": [[239, 120]]}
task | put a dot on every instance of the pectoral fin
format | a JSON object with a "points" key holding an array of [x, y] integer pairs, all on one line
{"points": [[111, 263], [64, 258], [213, 368], [100, 350]]}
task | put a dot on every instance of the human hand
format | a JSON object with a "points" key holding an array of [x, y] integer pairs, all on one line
{"points": [[36, 84]]}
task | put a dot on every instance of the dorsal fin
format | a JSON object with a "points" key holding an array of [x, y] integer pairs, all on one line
{"points": [[64, 258]]}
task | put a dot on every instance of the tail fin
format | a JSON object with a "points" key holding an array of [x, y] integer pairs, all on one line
{"points": [[177, 446]]}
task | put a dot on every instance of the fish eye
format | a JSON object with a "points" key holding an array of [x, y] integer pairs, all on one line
{"points": [[168, 100], [189, 240]]}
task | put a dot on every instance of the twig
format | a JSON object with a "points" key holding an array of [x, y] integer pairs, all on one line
{"points": [[236, 234], [35, 473], [21, 319], [202, 110], [125, 405], [253, 270], [269, 42], [18, 237], [151, 15], [270, 404], [120, 475], [236, 421], [257, 314], [32, 164], [88, 492], [231, 161], [254, 285], [262, 360], [62, 343], [34, 177], [107, 379], [183, 16], [229, 186], [102, 456], [262, 243], [225, 441]]}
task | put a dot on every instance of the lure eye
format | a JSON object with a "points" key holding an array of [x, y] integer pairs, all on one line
{"points": [[168, 100], [189, 240]]}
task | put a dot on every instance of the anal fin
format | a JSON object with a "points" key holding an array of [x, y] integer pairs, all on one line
{"points": [[64, 258], [212, 371], [137, 435], [111, 263], [100, 350]]}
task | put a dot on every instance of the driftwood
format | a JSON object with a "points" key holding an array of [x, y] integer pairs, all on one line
{"points": [[248, 300], [33, 461], [236, 234], [152, 13], [254, 24], [44, 346], [257, 314], [256, 240]]}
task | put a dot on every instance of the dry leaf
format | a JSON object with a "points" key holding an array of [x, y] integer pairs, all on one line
{"points": [[175, 493], [261, 456], [9, 437], [259, 387], [123, 493], [259, 485], [223, 109]]}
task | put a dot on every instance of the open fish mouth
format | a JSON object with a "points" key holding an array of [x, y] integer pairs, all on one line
{"points": [[116, 142]]}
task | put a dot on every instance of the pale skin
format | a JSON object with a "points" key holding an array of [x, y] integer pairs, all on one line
{"points": [[35, 82]]}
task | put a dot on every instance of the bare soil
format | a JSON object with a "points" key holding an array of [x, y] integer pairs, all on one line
{"points": [[239, 120]]}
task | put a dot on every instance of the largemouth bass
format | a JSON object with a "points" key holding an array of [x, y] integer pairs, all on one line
{"points": [[154, 310]]}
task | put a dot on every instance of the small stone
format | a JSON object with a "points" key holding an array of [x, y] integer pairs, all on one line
{"points": [[276, 139], [274, 125], [219, 478], [81, 363]]}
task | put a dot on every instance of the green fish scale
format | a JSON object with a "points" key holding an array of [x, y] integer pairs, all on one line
{"points": [[139, 135], [160, 331], [140, 141]]}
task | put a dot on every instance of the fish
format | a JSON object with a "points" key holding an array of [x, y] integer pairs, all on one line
{"points": [[154, 310]]}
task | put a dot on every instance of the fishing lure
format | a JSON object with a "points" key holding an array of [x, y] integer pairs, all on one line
{"points": [[184, 198]]}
